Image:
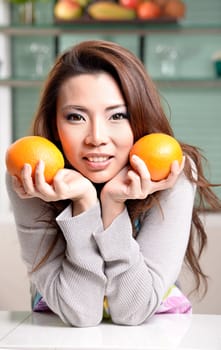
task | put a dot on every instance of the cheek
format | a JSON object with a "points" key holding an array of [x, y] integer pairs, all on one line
{"points": [[127, 139], [69, 144], [125, 144]]}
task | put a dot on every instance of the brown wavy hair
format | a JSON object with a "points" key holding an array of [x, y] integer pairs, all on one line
{"points": [[146, 116]]}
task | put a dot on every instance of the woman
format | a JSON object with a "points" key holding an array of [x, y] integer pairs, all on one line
{"points": [[103, 230]]}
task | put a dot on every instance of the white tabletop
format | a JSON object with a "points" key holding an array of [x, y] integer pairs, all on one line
{"points": [[31, 331]]}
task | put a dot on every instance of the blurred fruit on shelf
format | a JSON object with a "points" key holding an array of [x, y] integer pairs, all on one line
{"points": [[174, 8], [161, 3], [107, 10], [82, 3], [132, 4], [148, 10], [119, 10], [67, 10]]}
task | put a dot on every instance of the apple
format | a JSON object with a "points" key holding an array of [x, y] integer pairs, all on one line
{"points": [[131, 4], [67, 10]]}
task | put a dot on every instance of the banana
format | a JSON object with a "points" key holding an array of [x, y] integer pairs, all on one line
{"points": [[106, 10]]}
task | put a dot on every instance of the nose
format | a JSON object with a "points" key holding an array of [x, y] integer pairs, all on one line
{"points": [[97, 134]]}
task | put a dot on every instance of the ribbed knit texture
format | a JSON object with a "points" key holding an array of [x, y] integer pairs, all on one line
{"points": [[89, 262]]}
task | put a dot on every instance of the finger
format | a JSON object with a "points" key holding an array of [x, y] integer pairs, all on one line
{"points": [[17, 185], [139, 165], [170, 181], [18, 188], [66, 184], [41, 186], [136, 189], [39, 174], [177, 168], [145, 177], [27, 181]]}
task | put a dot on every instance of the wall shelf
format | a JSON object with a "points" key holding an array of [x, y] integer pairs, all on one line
{"points": [[188, 83], [139, 28], [20, 83], [162, 83]]}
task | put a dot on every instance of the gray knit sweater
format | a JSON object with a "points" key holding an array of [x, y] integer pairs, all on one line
{"points": [[88, 262]]}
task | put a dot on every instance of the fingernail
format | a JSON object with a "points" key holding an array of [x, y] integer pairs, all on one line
{"points": [[40, 163], [135, 157]]}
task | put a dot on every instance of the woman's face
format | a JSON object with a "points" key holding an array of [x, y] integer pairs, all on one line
{"points": [[93, 126]]}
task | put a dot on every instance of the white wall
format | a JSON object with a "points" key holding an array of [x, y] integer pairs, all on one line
{"points": [[5, 107], [14, 287], [211, 264]]}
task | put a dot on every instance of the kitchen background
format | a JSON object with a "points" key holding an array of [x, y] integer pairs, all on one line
{"points": [[181, 61]]}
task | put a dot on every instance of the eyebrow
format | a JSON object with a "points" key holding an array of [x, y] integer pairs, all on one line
{"points": [[116, 106], [81, 108]]}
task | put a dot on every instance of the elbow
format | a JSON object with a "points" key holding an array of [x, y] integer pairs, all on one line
{"points": [[142, 313], [134, 319], [82, 322], [127, 321], [79, 320]]}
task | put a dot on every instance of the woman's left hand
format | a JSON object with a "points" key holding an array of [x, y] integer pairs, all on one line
{"points": [[135, 182]]}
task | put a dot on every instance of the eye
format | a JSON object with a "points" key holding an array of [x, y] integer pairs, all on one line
{"points": [[75, 117], [119, 116]]}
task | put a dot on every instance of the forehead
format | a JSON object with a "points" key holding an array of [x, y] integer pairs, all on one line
{"points": [[92, 85], [83, 78]]}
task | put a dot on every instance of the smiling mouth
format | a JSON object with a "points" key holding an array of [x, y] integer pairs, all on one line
{"points": [[98, 163], [98, 159]]}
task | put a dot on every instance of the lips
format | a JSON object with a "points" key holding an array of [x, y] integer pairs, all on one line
{"points": [[97, 157], [97, 161]]}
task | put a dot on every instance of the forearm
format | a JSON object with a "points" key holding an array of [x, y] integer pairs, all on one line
{"points": [[130, 290], [71, 279], [73, 286], [140, 271]]}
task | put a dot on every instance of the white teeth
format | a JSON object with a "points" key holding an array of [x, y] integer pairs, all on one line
{"points": [[97, 159]]}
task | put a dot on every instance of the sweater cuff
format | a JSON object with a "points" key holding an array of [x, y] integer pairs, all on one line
{"points": [[82, 225], [117, 242]]}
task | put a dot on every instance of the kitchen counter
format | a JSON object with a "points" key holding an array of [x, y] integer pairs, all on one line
{"points": [[27, 330]]}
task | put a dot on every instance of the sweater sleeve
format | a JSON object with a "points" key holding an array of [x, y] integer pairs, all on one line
{"points": [[71, 280], [140, 271]]}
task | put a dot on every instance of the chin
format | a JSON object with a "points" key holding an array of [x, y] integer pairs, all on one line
{"points": [[97, 178]]}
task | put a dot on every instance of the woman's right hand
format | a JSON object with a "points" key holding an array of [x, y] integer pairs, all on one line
{"points": [[67, 184]]}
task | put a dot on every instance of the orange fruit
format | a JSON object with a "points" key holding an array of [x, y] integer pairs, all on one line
{"points": [[158, 151], [148, 10], [31, 149], [175, 9]]}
